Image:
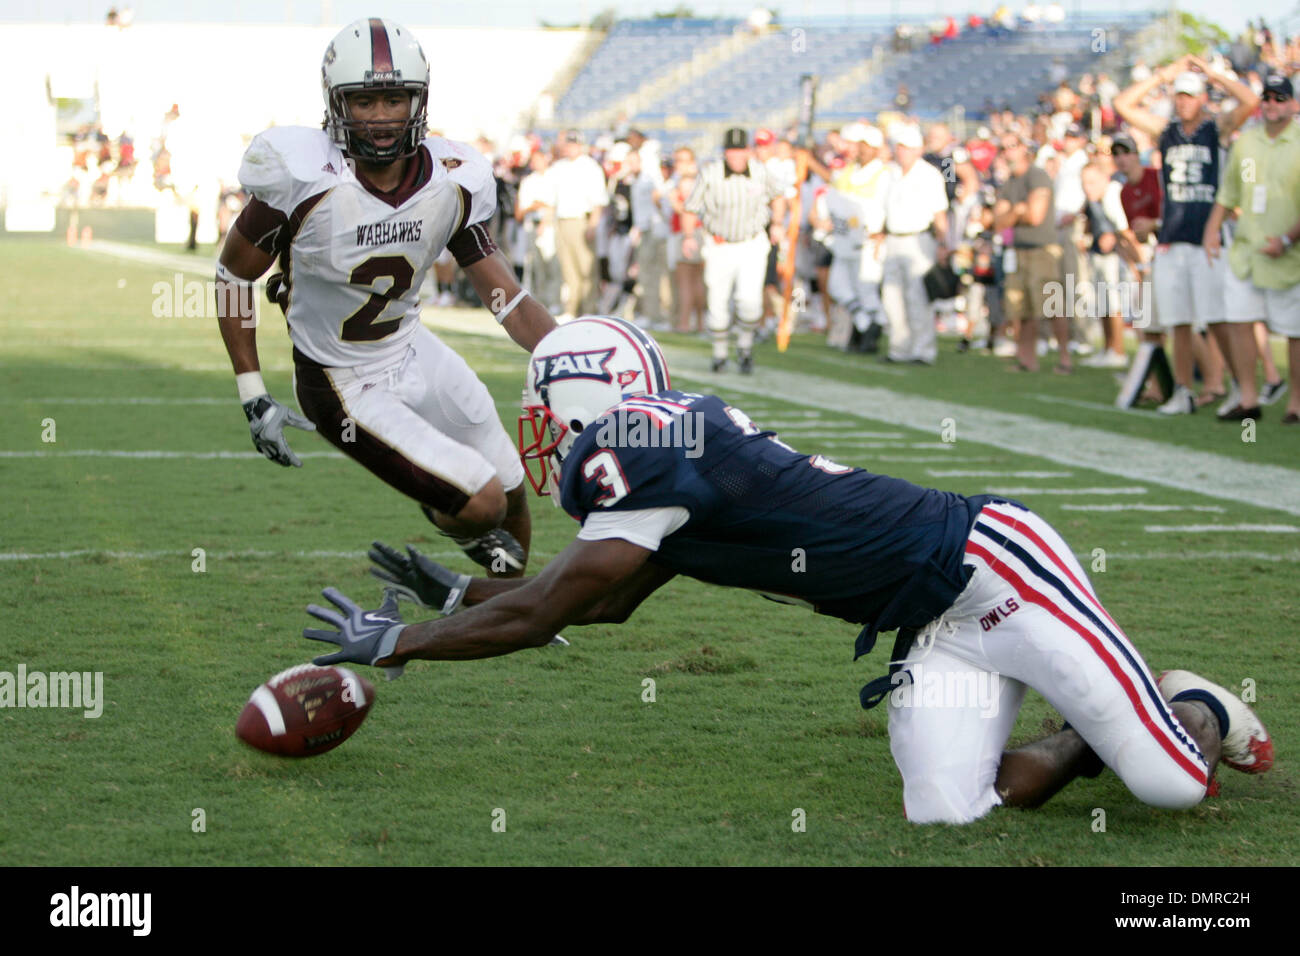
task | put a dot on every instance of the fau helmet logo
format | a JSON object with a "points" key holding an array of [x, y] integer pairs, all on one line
{"points": [[566, 365]]}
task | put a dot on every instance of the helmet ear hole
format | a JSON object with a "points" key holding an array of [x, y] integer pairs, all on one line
{"points": [[575, 426]]}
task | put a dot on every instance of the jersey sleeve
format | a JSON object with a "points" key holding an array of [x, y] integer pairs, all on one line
{"points": [[281, 168], [645, 528], [472, 174]]}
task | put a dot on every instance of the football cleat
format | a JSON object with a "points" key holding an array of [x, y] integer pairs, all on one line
{"points": [[1246, 744], [746, 363]]}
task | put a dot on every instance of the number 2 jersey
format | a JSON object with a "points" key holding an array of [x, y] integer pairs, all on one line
{"points": [[354, 258], [798, 528]]}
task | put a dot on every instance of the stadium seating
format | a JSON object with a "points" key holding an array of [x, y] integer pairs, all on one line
{"points": [[766, 76], [762, 80], [958, 71], [636, 52]]}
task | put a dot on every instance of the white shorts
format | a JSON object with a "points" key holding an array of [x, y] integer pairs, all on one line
{"points": [[1188, 287], [849, 289], [424, 423], [1029, 617], [1247, 302]]}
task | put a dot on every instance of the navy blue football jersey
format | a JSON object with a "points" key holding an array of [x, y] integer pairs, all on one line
{"points": [[1189, 171], [798, 528]]}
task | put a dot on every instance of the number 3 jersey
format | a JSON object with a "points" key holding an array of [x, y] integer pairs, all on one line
{"points": [[353, 257], [797, 528]]}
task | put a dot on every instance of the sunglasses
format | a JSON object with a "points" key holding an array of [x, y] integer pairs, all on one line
{"points": [[1120, 150], [1271, 97]]}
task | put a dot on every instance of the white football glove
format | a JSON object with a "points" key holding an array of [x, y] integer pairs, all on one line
{"points": [[266, 421]]}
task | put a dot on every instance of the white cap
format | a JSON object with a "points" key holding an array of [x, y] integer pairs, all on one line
{"points": [[862, 133], [905, 134], [854, 133], [1189, 83]]}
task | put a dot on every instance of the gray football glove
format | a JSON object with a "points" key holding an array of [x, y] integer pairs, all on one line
{"points": [[266, 421], [418, 578], [363, 636]]}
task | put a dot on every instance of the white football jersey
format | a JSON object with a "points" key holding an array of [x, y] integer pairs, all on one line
{"points": [[355, 258]]}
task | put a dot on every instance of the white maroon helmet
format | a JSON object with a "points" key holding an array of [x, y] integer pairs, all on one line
{"points": [[374, 54], [577, 373]]}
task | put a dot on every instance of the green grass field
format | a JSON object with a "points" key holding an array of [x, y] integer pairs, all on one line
{"points": [[756, 711]]}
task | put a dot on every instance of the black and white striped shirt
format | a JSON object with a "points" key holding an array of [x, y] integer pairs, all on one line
{"points": [[735, 207]]}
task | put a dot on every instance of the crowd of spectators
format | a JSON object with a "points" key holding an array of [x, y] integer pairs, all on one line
{"points": [[598, 226]]}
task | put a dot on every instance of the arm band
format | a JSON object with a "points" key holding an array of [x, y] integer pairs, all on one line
{"points": [[250, 386], [225, 275], [519, 297]]}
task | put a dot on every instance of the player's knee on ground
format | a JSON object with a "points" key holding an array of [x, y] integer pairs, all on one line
{"points": [[1154, 779], [941, 798], [483, 511]]}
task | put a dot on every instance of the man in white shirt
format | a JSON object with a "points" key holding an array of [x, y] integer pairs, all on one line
{"points": [[535, 211], [580, 198], [916, 203]]}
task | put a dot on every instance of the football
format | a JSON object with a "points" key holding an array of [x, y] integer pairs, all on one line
{"points": [[305, 711]]}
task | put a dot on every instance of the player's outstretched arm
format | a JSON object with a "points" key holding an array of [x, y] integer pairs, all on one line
{"points": [[529, 615], [523, 317], [241, 263], [420, 579]]}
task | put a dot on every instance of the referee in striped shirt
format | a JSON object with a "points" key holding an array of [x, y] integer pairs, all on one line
{"points": [[733, 216]]}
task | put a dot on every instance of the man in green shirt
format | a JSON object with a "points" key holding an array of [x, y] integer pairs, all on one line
{"points": [[1262, 182]]}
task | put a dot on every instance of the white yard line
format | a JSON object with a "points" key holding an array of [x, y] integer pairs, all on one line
{"points": [[1235, 528], [1091, 406], [939, 473], [800, 433], [188, 555], [199, 265], [1107, 490], [923, 459], [1198, 556], [1080, 446], [1215, 509]]}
